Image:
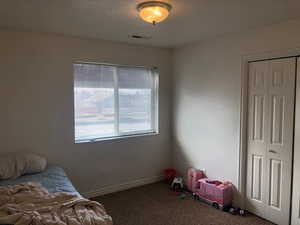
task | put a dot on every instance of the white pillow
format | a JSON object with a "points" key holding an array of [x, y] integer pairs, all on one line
{"points": [[13, 165]]}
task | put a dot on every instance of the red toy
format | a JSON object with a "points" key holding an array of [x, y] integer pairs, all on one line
{"points": [[170, 174]]}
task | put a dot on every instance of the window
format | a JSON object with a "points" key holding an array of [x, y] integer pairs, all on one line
{"points": [[114, 101]]}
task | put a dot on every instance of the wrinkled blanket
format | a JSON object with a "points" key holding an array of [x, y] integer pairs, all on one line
{"points": [[31, 204]]}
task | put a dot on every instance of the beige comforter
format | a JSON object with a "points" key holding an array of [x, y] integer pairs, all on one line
{"points": [[31, 204]]}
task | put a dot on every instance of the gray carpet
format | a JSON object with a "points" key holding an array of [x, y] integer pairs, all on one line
{"points": [[155, 204]]}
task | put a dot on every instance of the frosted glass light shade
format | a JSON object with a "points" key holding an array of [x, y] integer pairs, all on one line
{"points": [[154, 12]]}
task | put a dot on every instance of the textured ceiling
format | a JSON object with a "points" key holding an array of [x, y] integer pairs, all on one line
{"points": [[117, 20]]}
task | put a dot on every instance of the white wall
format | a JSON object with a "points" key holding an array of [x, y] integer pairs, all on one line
{"points": [[37, 103], [36, 95], [207, 95]]}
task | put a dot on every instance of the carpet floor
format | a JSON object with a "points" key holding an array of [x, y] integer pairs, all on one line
{"points": [[155, 204]]}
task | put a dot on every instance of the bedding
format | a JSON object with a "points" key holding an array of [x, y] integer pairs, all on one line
{"points": [[54, 179], [31, 204], [47, 198]]}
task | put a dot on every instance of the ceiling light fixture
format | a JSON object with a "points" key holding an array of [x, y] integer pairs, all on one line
{"points": [[154, 11]]}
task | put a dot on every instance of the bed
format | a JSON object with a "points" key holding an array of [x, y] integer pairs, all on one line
{"points": [[73, 210], [54, 179]]}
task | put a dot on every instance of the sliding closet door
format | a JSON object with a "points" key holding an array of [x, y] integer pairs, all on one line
{"points": [[296, 178], [270, 138]]}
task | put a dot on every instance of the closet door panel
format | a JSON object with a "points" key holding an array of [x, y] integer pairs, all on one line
{"points": [[257, 139], [257, 182], [280, 146], [296, 178]]}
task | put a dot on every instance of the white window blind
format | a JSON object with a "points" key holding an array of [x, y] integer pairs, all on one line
{"points": [[114, 101]]}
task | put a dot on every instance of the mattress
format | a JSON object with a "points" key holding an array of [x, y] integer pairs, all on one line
{"points": [[54, 179]]}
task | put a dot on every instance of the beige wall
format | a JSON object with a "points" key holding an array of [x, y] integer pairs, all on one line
{"points": [[36, 96], [207, 95]]}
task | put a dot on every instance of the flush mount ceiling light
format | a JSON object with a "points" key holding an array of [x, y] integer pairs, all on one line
{"points": [[154, 11]]}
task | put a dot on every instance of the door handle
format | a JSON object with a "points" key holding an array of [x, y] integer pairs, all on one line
{"points": [[272, 151]]}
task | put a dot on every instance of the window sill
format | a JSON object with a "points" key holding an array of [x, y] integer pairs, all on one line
{"points": [[116, 138]]}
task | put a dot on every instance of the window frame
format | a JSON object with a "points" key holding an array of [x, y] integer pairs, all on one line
{"points": [[123, 135]]}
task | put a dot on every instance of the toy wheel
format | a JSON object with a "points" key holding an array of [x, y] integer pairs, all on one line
{"points": [[215, 205], [232, 211], [226, 208], [195, 196]]}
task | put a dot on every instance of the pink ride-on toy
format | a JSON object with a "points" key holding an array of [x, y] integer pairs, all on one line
{"points": [[192, 179], [215, 192], [218, 194]]}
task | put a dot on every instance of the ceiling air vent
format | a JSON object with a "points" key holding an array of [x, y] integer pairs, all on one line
{"points": [[139, 37]]}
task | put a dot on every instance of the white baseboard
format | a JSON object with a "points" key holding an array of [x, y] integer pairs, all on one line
{"points": [[121, 187]]}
